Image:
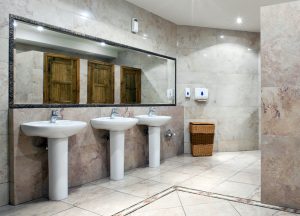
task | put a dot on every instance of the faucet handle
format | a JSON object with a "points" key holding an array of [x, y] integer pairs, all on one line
{"points": [[152, 109], [115, 109], [54, 112]]}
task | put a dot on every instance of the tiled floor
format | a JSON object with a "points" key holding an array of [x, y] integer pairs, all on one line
{"points": [[183, 203], [232, 173]]}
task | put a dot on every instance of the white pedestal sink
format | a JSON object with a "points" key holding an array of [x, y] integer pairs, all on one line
{"points": [[154, 122], [57, 134], [116, 127]]}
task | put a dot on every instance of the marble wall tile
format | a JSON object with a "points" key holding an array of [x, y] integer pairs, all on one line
{"points": [[4, 50], [4, 187], [3, 159], [83, 80], [4, 85], [228, 67], [280, 107], [280, 56]]}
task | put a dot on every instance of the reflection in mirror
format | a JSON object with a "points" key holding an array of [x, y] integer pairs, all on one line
{"points": [[52, 67]]}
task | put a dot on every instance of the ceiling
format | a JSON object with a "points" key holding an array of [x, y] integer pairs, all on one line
{"points": [[209, 13]]}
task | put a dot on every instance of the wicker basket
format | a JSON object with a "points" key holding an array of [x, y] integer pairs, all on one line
{"points": [[202, 138]]}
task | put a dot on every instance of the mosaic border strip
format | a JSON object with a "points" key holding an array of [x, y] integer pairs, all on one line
{"points": [[145, 202], [156, 197]]}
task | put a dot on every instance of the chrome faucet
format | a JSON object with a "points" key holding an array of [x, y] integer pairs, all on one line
{"points": [[55, 114], [151, 111], [114, 113]]}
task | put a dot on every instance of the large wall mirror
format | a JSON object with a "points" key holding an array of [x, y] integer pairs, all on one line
{"points": [[52, 67]]}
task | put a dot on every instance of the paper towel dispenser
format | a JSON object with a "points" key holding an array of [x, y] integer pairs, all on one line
{"points": [[201, 94]]}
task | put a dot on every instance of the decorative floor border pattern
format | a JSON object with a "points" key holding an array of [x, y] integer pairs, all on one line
{"points": [[156, 197]]}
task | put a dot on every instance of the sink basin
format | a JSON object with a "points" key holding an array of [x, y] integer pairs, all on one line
{"points": [[60, 129], [57, 134], [153, 121], [116, 127], [113, 124]]}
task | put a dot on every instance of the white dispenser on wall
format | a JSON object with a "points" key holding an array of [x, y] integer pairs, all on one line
{"points": [[201, 94]]}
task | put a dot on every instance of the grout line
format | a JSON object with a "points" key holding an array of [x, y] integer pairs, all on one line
{"points": [[180, 203], [243, 183], [71, 206], [235, 209], [145, 202], [237, 199], [86, 210]]}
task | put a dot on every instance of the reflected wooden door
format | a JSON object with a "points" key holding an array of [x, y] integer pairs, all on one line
{"points": [[100, 82], [61, 79], [130, 85]]}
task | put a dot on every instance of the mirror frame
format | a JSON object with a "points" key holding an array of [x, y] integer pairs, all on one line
{"points": [[13, 17]]}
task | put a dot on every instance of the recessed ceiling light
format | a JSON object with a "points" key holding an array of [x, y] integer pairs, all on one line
{"points": [[239, 20], [249, 49], [103, 44], [15, 24], [145, 35], [222, 36], [40, 28], [205, 55]]}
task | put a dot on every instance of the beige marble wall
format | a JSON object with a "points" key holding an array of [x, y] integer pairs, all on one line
{"points": [[280, 54], [230, 72], [29, 72], [108, 19], [88, 150]]}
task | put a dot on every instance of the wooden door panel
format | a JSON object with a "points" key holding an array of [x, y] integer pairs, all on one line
{"points": [[100, 82], [130, 85], [61, 79]]}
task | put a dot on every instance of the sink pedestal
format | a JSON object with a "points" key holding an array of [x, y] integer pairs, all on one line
{"points": [[58, 168], [154, 146], [116, 155]]}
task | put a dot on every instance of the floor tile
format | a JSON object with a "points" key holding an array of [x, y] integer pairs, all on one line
{"points": [[229, 173], [167, 165], [236, 189], [110, 203], [172, 178], [177, 211], [39, 207], [195, 199], [145, 173], [169, 201], [256, 195], [249, 210], [188, 169], [76, 212], [201, 183], [145, 188], [206, 162], [127, 181], [219, 173], [280, 213], [254, 168], [245, 177], [185, 159], [85, 193], [211, 209]]}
